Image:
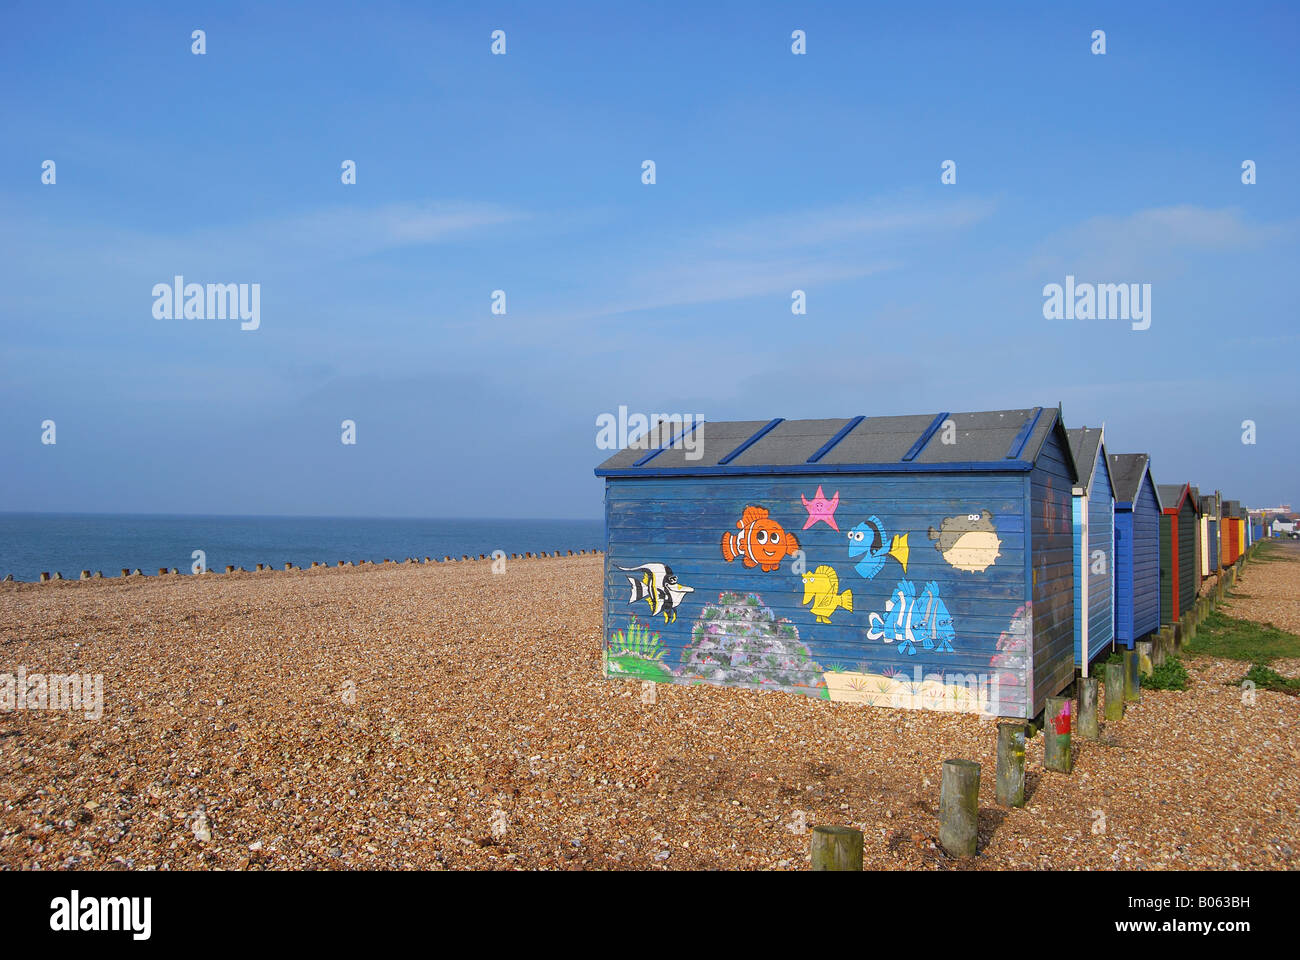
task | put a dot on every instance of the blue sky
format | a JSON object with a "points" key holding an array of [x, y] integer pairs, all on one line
{"points": [[522, 172]]}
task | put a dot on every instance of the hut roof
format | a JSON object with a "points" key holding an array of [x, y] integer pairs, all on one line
{"points": [[1004, 440], [1126, 473], [1084, 444], [1172, 495]]}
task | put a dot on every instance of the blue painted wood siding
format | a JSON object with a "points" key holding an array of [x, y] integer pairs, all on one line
{"points": [[1213, 535], [1124, 577], [1052, 573], [1146, 561], [1099, 607], [680, 521]]}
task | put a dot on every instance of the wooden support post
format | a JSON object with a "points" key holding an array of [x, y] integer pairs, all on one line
{"points": [[1132, 679], [1089, 728], [1145, 662], [1114, 691], [836, 848], [959, 807], [1011, 764], [1057, 723]]}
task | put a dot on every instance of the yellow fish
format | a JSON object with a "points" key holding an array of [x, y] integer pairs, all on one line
{"points": [[821, 588]]}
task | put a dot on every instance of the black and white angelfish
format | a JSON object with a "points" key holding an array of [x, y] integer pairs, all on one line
{"points": [[657, 586]]}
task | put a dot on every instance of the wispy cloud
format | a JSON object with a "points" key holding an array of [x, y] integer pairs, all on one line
{"points": [[290, 240], [1152, 241]]}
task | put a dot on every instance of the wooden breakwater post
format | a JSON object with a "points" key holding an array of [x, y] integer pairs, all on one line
{"points": [[1132, 678], [959, 807], [836, 848], [1058, 754], [1089, 727], [1010, 776], [1146, 656]]}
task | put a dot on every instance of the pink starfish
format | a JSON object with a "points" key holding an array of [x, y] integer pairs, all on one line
{"points": [[819, 508]]}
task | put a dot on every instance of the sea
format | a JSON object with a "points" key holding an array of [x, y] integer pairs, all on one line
{"points": [[32, 543]]}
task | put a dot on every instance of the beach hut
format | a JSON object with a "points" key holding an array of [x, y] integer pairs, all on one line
{"points": [[1209, 534], [1137, 547], [1094, 554], [1196, 531], [1179, 564], [1231, 533], [904, 561]]}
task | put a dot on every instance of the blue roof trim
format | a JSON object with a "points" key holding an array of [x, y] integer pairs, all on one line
{"points": [[998, 466], [829, 444], [924, 438], [1018, 442], [751, 441], [654, 453]]}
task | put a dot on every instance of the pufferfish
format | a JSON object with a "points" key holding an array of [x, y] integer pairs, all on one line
{"points": [[968, 543], [868, 541], [821, 589]]}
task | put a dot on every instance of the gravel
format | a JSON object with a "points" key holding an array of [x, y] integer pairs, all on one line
{"points": [[441, 716]]}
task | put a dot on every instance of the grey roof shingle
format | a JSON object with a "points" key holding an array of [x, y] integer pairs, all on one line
{"points": [[1084, 443], [999, 438], [1126, 470]]}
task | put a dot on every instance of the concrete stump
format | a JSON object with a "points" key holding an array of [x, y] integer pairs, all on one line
{"points": [[959, 795]]}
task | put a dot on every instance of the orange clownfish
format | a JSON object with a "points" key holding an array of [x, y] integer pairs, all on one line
{"points": [[762, 542]]}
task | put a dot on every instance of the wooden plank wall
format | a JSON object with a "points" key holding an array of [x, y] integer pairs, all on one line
{"points": [[680, 521], [1052, 545], [1188, 560], [1146, 561], [1099, 607]]}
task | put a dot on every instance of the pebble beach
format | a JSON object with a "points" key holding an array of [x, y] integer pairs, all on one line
{"points": [[442, 716]]}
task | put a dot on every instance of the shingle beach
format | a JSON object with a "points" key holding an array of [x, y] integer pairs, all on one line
{"points": [[442, 716]]}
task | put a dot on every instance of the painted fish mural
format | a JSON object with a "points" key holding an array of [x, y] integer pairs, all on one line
{"points": [[968, 543], [821, 588], [761, 542], [657, 586], [868, 540], [819, 508], [910, 619]]}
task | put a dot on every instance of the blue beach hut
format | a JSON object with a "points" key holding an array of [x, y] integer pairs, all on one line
{"points": [[1094, 552], [905, 561], [1137, 547]]}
